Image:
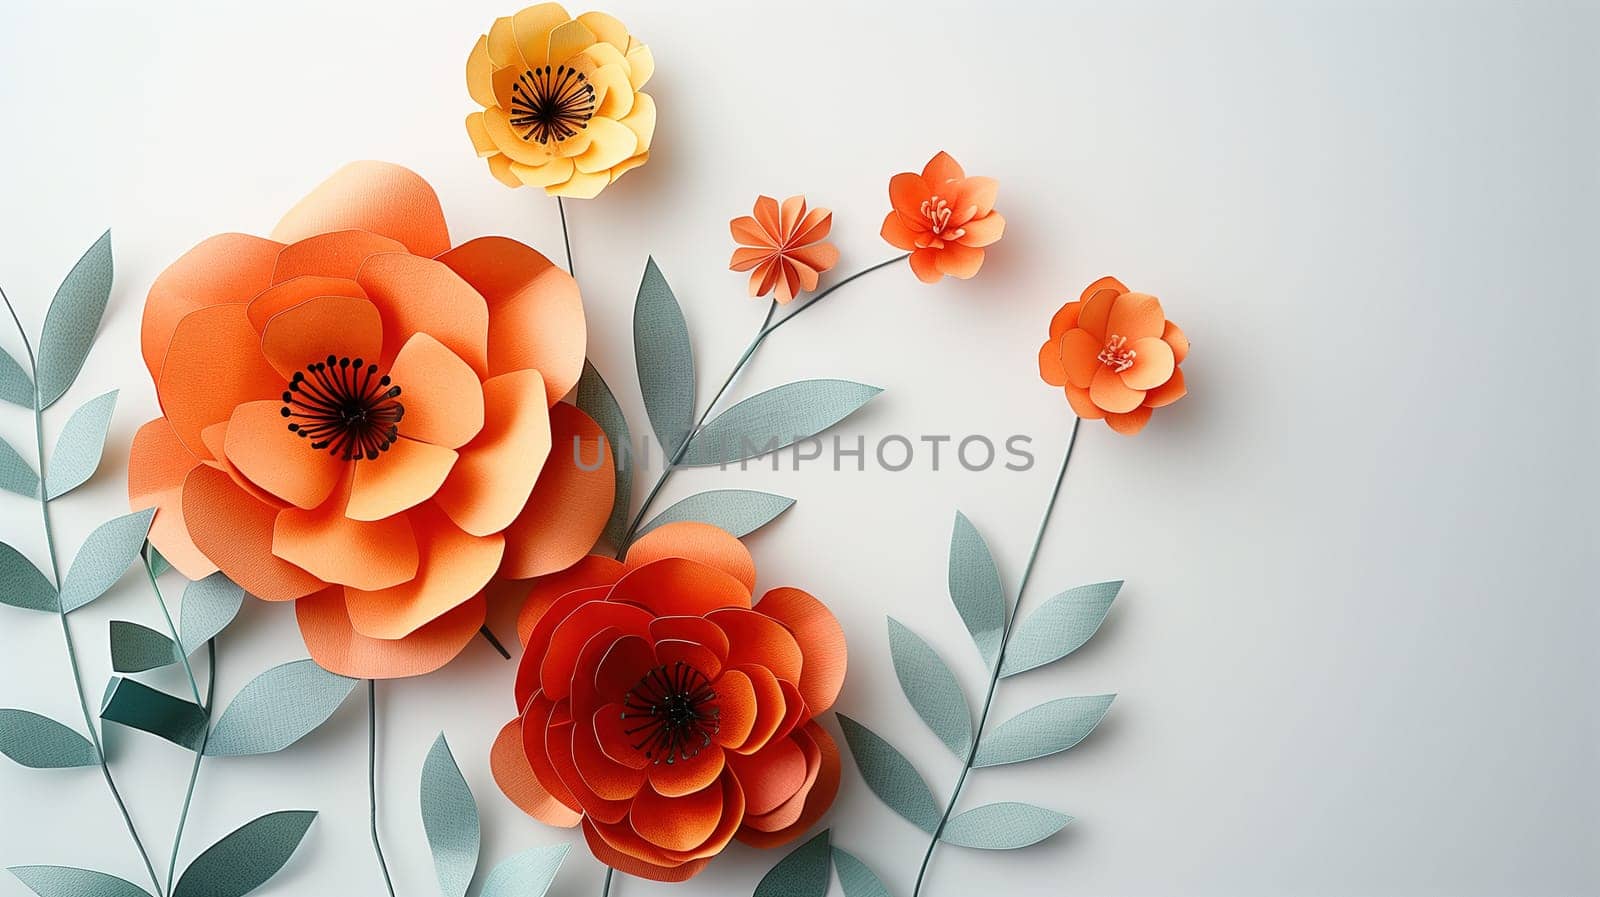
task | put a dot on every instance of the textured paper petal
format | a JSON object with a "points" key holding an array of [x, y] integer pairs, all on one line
{"points": [[628, 864], [770, 708], [158, 464], [235, 530], [1051, 368], [362, 554], [1080, 357], [755, 638], [454, 567], [1136, 316], [1112, 395], [569, 504], [891, 776], [260, 445], [442, 395], [136, 648], [1168, 392], [664, 359], [931, 688], [277, 709], [778, 417], [975, 589], [1059, 627], [1152, 364], [818, 799], [105, 555], [543, 593], [677, 586], [770, 776], [338, 254], [803, 873], [212, 366], [528, 874], [739, 511], [1049, 728], [515, 776], [1003, 826], [39, 742], [22, 584], [320, 328], [1175, 338], [1130, 423], [491, 482], [337, 647], [959, 260], [419, 295], [407, 474], [78, 450], [73, 319], [855, 879], [138, 706], [385, 199], [677, 823], [247, 858], [209, 605], [596, 400], [697, 542], [536, 315], [450, 818], [66, 881]]}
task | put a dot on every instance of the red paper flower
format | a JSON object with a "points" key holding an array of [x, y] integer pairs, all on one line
{"points": [[665, 712]]}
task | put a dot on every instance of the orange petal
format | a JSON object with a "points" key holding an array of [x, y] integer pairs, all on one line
{"points": [[685, 777], [942, 168], [405, 475], [818, 257], [339, 254], [976, 195], [442, 396], [515, 776], [1168, 392], [746, 231], [736, 709], [984, 231], [419, 295], [357, 553], [322, 328], [227, 268], [815, 226], [494, 476], [259, 443], [818, 796], [157, 466], [925, 264], [1105, 283], [608, 779], [628, 864], [698, 542], [677, 823], [1130, 423], [1080, 357], [570, 503], [540, 718], [213, 364], [958, 260], [531, 668], [1065, 319], [611, 725], [1050, 367], [623, 665], [789, 214], [379, 197], [535, 311], [770, 707], [1082, 405], [755, 638], [1152, 363], [558, 745], [235, 532], [770, 776], [821, 640], [284, 296], [698, 630], [680, 587], [452, 568], [907, 192], [1096, 312], [570, 636], [747, 257], [897, 234], [769, 216], [1178, 342], [1111, 394], [695, 656], [594, 570], [215, 438], [338, 648], [1136, 316]]}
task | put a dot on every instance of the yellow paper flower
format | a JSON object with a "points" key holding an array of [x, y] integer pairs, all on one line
{"points": [[561, 103]]}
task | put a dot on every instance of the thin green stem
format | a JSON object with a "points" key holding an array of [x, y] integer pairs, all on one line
{"points": [[66, 630], [372, 778], [605, 889], [999, 663], [205, 704], [768, 327], [560, 207]]}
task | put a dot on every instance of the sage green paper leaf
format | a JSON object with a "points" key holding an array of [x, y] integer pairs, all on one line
{"points": [[21, 583], [73, 318], [975, 589], [1050, 728], [158, 564], [450, 817], [781, 416], [39, 742], [136, 648], [278, 708], [209, 605], [1003, 826], [738, 511], [596, 400], [1059, 627], [803, 873], [65, 881], [528, 874], [247, 858], [78, 451], [138, 706], [931, 688], [890, 775], [17, 475], [854, 876], [664, 359], [104, 557], [16, 386]]}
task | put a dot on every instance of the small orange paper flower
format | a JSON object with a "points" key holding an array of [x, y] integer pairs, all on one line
{"points": [[944, 218], [1116, 354], [665, 712], [784, 246], [362, 418], [561, 103]]}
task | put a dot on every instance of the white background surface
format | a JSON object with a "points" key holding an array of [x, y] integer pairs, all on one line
{"points": [[1355, 651]]}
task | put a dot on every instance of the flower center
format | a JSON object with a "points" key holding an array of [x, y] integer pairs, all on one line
{"points": [[551, 104], [345, 407], [672, 712], [937, 210], [1116, 355]]}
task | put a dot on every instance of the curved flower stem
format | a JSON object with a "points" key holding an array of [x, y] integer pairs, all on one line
{"points": [[205, 704], [567, 241], [66, 631], [994, 675], [768, 327], [372, 778], [605, 889]]}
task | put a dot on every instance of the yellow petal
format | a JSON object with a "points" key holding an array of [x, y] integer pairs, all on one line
{"points": [[568, 40], [606, 28], [605, 54], [642, 120], [479, 132], [497, 124], [500, 166], [480, 74], [532, 28], [613, 93], [610, 142], [502, 43], [641, 65], [627, 165], [555, 171], [581, 185]]}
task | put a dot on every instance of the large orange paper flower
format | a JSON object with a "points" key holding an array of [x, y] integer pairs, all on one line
{"points": [[944, 219], [785, 247], [1116, 354], [668, 714], [561, 103], [362, 418]]}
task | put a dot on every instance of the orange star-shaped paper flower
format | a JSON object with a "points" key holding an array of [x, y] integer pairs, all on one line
{"points": [[784, 247], [943, 218]]}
